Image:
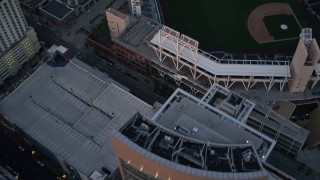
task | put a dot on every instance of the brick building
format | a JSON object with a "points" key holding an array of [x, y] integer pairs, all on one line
{"points": [[58, 13]]}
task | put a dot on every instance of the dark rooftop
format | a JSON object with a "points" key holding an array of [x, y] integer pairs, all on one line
{"points": [[56, 9], [137, 32], [234, 99], [188, 152]]}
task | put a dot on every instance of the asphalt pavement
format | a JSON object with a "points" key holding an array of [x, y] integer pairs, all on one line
{"points": [[16, 157], [286, 165]]}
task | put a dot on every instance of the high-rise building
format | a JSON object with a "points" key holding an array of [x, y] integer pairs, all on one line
{"points": [[190, 138], [18, 41]]}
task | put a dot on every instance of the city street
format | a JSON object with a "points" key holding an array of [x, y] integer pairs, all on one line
{"points": [[139, 85], [49, 37], [16, 156]]}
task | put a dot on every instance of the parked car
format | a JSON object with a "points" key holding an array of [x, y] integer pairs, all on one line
{"points": [[135, 78], [21, 148], [105, 170], [40, 163]]}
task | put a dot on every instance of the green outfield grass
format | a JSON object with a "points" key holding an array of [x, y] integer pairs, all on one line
{"points": [[221, 24], [273, 24]]}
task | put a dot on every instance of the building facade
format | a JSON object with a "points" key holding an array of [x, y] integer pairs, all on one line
{"points": [[32, 4], [304, 61], [18, 42], [117, 22]]}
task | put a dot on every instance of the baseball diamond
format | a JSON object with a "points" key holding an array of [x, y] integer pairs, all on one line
{"points": [[231, 24]]}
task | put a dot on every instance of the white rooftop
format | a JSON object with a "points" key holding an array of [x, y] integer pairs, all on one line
{"points": [[71, 111], [55, 48], [214, 67]]}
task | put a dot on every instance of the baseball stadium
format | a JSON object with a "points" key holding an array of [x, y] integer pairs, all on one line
{"points": [[269, 26], [274, 49]]}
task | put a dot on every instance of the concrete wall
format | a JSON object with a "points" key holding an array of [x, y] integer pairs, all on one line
{"points": [[314, 52], [117, 22], [300, 71]]}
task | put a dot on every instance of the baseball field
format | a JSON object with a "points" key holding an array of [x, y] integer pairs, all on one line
{"points": [[235, 25]]}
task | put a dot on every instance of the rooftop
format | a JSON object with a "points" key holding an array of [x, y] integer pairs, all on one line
{"points": [[56, 9], [277, 121], [71, 110], [233, 104], [191, 152], [55, 48], [118, 13], [135, 36], [149, 8], [138, 31], [189, 116]]}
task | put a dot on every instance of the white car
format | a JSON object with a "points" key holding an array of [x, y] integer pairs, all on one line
{"points": [[21, 148], [40, 163]]}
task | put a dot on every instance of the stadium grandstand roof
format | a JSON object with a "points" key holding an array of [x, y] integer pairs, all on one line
{"points": [[216, 66]]}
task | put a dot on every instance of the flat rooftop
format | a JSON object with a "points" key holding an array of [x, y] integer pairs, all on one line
{"points": [[138, 31], [56, 9], [201, 123], [277, 121], [135, 36], [118, 14], [218, 96], [71, 110], [191, 117], [191, 152]]}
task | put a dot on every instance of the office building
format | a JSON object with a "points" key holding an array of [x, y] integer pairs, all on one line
{"points": [[187, 139], [18, 41]]}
